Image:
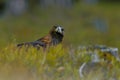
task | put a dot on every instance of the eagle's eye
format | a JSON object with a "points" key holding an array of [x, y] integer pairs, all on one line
{"points": [[62, 29]]}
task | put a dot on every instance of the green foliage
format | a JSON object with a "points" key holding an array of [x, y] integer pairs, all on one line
{"points": [[56, 63]]}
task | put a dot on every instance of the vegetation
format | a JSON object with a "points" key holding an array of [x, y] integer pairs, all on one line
{"points": [[56, 63], [63, 61]]}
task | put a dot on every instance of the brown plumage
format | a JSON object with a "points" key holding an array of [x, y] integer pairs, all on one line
{"points": [[54, 37]]}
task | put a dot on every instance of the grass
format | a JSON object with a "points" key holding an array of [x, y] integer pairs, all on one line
{"points": [[63, 61], [55, 64]]}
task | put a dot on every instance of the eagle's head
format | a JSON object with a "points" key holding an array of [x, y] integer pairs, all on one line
{"points": [[57, 29], [57, 33]]}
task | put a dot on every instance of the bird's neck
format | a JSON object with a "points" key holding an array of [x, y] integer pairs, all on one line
{"points": [[56, 38]]}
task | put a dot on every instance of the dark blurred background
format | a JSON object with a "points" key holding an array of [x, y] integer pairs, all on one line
{"points": [[85, 21], [19, 7]]}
